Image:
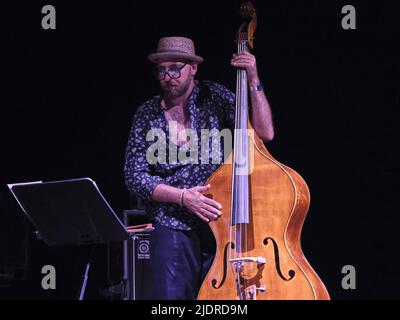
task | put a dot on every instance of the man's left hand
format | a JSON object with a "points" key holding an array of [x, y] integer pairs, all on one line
{"points": [[246, 61]]}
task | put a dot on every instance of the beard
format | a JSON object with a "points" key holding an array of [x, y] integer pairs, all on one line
{"points": [[171, 92]]}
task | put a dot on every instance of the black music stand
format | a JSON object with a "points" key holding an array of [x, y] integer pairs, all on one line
{"points": [[69, 212]]}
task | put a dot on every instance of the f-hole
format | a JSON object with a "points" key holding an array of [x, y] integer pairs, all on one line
{"points": [[291, 273], [225, 257]]}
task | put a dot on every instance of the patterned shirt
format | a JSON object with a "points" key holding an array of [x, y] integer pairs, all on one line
{"points": [[211, 106]]}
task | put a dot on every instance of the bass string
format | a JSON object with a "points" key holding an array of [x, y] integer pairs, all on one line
{"points": [[233, 196], [238, 198], [243, 228], [246, 194]]}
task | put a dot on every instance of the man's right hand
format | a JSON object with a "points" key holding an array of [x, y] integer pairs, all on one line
{"points": [[203, 207]]}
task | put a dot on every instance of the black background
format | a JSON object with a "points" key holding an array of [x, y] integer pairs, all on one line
{"points": [[68, 96]]}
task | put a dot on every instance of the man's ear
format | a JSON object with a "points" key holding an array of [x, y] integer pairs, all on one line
{"points": [[193, 69]]}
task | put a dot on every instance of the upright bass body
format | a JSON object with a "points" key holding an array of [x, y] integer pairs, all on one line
{"points": [[279, 200], [264, 204]]}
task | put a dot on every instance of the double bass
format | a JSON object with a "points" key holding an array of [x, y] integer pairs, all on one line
{"points": [[264, 205]]}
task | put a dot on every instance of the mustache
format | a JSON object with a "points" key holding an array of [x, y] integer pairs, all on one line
{"points": [[170, 84]]}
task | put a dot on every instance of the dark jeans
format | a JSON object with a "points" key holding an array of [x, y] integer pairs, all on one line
{"points": [[179, 263]]}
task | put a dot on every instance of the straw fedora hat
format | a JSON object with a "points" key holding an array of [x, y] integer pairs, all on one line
{"points": [[175, 48]]}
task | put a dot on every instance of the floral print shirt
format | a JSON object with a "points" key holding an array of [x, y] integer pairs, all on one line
{"points": [[211, 106]]}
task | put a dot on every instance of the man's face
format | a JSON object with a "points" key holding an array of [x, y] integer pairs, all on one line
{"points": [[174, 86]]}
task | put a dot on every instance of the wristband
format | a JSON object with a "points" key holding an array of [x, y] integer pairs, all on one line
{"points": [[181, 197], [257, 87]]}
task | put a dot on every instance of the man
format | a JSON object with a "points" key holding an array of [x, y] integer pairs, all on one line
{"points": [[182, 245]]}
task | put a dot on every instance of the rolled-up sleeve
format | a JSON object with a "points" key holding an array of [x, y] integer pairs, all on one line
{"points": [[137, 171]]}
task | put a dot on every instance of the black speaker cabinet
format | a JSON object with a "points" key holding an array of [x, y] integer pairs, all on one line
{"points": [[136, 256]]}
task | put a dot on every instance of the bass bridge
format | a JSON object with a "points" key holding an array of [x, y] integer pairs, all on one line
{"points": [[247, 272]]}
